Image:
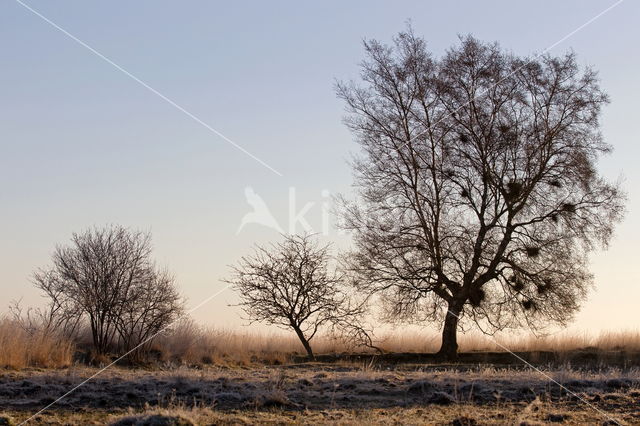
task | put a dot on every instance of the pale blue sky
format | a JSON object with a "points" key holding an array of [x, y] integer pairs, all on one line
{"points": [[82, 144]]}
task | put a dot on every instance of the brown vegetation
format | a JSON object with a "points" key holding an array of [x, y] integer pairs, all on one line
{"points": [[327, 394], [20, 348], [204, 375], [190, 344]]}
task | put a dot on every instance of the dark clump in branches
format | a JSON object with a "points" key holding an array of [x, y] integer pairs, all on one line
{"points": [[476, 296], [474, 161], [514, 190], [517, 283], [532, 251], [544, 286]]}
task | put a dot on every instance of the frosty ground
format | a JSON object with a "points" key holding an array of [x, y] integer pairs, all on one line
{"points": [[347, 393]]}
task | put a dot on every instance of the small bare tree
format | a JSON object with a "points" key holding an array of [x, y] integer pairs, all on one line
{"points": [[479, 196], [107, 276], [291, 285]]}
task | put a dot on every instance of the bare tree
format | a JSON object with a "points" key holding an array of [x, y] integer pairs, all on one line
{"points": [[290, 285], [107, 276], [478, 194]]}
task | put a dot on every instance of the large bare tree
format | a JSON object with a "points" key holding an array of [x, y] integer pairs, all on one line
{"points": [[291, 285], [478, 194], [106, 276]]}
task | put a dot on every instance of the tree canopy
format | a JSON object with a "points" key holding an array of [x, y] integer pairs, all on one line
{"points": [[106, 277], [478, 195]]}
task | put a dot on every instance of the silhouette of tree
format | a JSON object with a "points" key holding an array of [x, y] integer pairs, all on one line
{"points": [[107, 276], [478, 194], [290, 284]]}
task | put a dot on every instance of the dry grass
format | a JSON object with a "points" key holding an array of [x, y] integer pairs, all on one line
{"points": [[20, 349], [475, 342], [312, 393], [322, 394], [462, 414], [191, 344]]}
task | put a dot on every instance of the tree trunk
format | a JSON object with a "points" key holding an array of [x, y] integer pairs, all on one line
{"points": [[305, 342], [449, 348]]}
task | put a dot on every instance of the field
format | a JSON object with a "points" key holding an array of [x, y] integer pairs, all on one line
{"points": [[337, 393], [200, 376]]}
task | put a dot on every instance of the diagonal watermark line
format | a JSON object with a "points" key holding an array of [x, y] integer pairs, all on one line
{"points": [[566, 37], [97, 373], [582, 26], [603, 413], [145, 85]]}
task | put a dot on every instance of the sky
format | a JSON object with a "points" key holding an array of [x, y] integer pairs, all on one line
{"points": [[137, 141]]}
